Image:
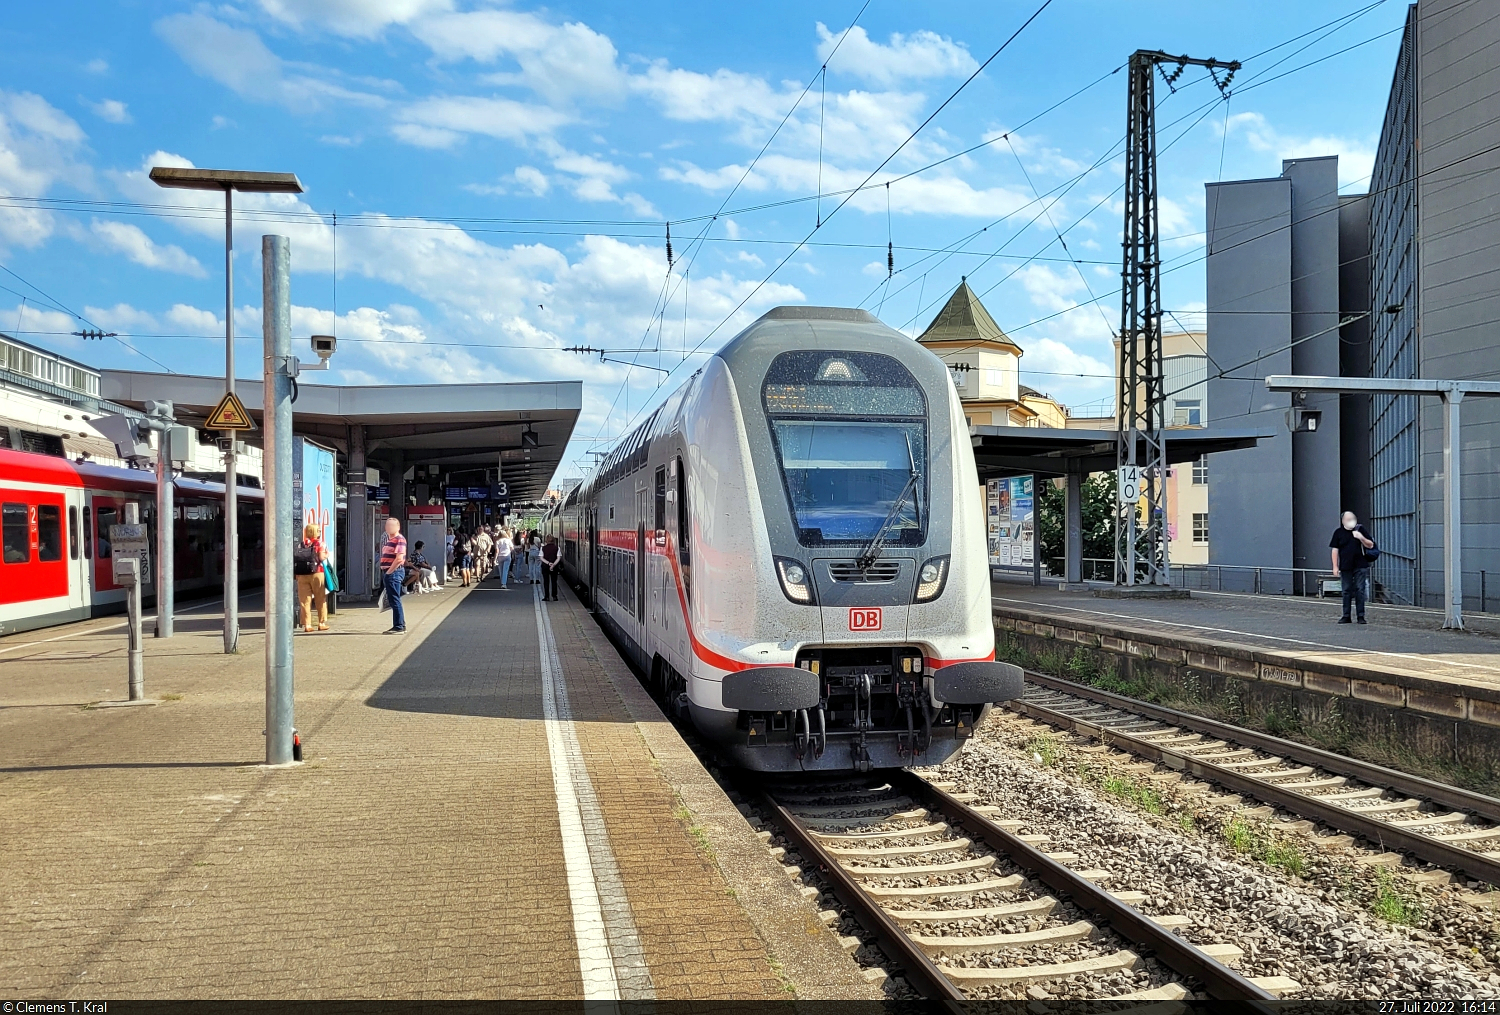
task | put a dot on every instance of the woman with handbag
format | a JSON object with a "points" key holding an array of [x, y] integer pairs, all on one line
{"points": [[309, 560]]}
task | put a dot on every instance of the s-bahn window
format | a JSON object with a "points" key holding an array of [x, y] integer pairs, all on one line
{"points": [[661, 498], [17, 533], [72, 533], [107, 516], [683, 528], [49, 537], [88, 534], [850, 431]]}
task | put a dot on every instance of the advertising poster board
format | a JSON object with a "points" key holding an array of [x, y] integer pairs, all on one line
{"points": [[314, 491], [1011, 522]]}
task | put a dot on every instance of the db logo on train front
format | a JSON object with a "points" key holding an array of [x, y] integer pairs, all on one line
{"points": [[864, 618]]}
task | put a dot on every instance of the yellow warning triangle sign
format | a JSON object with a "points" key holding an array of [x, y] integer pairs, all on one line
{"points": [[229, 414]]}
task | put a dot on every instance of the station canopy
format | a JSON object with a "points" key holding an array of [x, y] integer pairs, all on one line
{"points": [[1048, 451], [456, 426]]}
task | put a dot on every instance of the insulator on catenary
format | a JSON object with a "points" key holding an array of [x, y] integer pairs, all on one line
{"points": [[890, 258], [669, 244]]}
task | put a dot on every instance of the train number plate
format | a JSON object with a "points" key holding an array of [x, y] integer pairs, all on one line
{"points": [[864, 618]]}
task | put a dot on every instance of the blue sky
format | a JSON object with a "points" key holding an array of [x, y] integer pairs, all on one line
{"points": [[502, 173]]}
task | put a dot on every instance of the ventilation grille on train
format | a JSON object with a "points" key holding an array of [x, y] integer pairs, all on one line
{"points": [[879, 571]]}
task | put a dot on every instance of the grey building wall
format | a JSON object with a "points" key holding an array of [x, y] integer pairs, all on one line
{"points": [[1458, 205], [1249, 290], [1316, 478], [1354, 351], [1393, 333]]}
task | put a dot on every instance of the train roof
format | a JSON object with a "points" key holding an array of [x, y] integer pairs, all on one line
{"points": [[29, 467]]}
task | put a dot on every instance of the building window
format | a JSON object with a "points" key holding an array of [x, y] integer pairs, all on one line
{"points": [[1187, 412], [994, 378], [1200, 527], [1200, 471]]}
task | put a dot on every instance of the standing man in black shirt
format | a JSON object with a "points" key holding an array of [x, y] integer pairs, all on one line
{"points": [[1350, 565]]}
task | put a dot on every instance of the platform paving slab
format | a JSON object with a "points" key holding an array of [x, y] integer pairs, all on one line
{"points": [[413, 855]]}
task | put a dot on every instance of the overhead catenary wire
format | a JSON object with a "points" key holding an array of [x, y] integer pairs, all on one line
{"points": [[665, 299], [883, 163], [63, 308]]}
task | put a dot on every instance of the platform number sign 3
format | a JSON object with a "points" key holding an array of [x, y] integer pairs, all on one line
{"points": [[864, 618]]}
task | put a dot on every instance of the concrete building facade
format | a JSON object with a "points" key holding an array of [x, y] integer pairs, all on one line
{"points": [[1411, 267]]}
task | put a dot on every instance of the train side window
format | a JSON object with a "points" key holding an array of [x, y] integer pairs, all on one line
{"points": [[17, 533], [682, 509], [88, 534], [661, 498], [107, 517], [49, 536], [72, 532]]}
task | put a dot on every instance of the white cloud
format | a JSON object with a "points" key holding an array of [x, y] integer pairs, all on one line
{"points": [[533, 179], [927, 194], [724, 95], [1059, 368], [441, 122], [363, 19], [193, 321], [919, 55], [138, 247], [39, 147], [110, 110], [239, 60], [27, 318], [560, 62], [97, 66], [1356, 157]]}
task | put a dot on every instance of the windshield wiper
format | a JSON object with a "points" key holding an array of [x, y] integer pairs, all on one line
{"points": [[871, 553]]}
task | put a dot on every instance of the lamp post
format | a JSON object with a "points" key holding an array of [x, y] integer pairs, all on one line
{"points": [[228, 180]]}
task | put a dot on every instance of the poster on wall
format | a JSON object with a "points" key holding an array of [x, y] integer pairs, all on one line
{"points": [[1012, 523], [314, 494]]}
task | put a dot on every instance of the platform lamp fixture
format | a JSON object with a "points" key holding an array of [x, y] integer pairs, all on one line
{"points": [[228, 181]]}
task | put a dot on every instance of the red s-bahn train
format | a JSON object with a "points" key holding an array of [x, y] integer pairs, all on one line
{"points": [[55, 517]]}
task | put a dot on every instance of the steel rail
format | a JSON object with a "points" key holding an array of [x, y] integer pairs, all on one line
{"points": [[1455, 797], [1424, 847], [920, 971], [1218, 980]]}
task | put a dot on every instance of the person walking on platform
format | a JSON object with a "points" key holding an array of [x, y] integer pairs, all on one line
{"points": [[482, 546], [534, 554], [1351, 564], [504, 547], [308, 558], [551, 561], [393, 572]]}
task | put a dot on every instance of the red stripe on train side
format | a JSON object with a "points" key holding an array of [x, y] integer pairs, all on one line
{"points": [[626, 539]]}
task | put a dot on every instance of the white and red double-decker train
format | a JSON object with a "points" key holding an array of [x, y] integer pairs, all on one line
{"points": [[793, 549], [55, 517]]}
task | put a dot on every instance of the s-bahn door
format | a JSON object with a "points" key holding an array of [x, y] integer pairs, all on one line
{"points": [[642, 506]]}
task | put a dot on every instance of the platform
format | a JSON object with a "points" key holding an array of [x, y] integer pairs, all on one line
{"points": [[490, 807], [1400, 675]]}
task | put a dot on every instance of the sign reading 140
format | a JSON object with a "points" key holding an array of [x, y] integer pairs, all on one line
{"points": [[1130, 483]]}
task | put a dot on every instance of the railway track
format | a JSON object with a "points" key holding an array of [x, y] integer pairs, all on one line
{"points": [[1401, 814], [966, 905]]}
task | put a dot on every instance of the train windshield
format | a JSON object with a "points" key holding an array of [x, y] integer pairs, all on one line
{"points": [[850, 432]]}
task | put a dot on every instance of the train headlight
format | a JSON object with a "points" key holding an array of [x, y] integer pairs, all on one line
{"points": [[931, 577], [796, 583]]}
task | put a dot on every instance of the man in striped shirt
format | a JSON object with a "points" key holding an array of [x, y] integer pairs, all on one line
{"points": [[393, 572]]}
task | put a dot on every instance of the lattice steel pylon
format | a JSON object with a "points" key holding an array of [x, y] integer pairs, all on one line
{"points": [[1141, 448]]}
